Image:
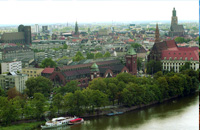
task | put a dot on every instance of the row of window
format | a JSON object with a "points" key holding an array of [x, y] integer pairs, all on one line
{"points": [[170, 58]]}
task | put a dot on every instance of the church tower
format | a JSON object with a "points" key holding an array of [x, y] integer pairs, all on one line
{"points": [[174, 20], [157, 35], [131, 61], [76, 29]]}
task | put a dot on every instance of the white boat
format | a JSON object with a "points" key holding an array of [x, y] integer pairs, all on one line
{"points": [[56, 122]]}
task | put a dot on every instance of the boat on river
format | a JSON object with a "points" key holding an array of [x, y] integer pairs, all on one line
{"points": [[56, 122], [114, 113], [76, 121]]}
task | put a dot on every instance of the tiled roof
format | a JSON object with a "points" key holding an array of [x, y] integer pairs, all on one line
{"points": [[181, 54], [88, 65], [48, 70]]}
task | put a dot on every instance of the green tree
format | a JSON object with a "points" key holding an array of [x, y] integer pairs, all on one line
{"points": [[65, 46], [9, 111], [2, 92], [90, 55], [136, 45], [98, 55], [71, 86], [179, 39], [98, 84], [38, 103], [185, 66], [154, 66], [107, 54], [38, 85], [79, 56], [112, 92], [48, 62], [58, 101]]}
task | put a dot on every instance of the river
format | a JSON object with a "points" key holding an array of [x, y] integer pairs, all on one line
{"points": [[177, 114]]}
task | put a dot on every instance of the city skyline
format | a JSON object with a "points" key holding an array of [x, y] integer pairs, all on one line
{"points": [[49, 11]]}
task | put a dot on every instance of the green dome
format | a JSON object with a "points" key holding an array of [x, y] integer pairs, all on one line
{"points": [[131, 51], [94, 67]]}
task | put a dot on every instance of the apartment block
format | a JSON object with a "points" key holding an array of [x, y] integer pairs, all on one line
{"points": [[12, 80], [11, 67]]}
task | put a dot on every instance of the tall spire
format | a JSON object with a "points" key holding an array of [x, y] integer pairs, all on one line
{"points": [[76, 28], [174, 12], [157, 39]]}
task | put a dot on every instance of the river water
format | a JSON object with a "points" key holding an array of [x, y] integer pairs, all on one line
{"points": [[178, 114]]}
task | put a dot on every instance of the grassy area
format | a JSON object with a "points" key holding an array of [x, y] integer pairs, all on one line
{"points": [[23, 126]]}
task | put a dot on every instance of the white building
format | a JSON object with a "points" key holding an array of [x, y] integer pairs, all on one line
{"points": [[12, 80], [11, 67]]}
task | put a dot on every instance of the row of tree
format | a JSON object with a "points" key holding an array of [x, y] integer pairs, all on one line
{"points": [[124, 89]]}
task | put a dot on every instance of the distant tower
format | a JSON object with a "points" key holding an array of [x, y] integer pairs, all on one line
{"points": [[131, 61], [174, 20], [27, 33], [37, 28], [94, 71], [157, 35], [76, 28]]}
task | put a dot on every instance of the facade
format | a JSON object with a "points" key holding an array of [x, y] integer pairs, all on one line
{"points": [[175, 29], [172, 60], [11, 67], [12, 80], [32, 72]]}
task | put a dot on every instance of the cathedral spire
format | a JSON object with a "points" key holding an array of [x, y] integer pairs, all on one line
{"points": [[76, 28], [157, 39]]}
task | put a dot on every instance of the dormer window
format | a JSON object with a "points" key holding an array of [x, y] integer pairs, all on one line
{"points": [[170, 58], [175, 58], [181, 58], [191, 58], [165, 58], [186, 58]]}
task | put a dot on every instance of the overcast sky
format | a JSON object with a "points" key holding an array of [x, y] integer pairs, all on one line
{"points": [[63, 11]]}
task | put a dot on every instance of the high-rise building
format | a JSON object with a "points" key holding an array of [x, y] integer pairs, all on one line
{"points": [[44, 29], [37, 28]]}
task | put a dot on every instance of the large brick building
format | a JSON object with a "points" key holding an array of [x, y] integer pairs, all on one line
{"points": [[84, 73]]}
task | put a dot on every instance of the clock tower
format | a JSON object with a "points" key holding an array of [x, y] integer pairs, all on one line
{"points": [[131, 61]]}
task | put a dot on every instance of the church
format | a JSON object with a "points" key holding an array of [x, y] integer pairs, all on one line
{"points": [[175, 29]]}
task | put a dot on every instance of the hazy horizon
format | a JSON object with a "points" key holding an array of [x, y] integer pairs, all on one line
{"points": [[50, 12]]}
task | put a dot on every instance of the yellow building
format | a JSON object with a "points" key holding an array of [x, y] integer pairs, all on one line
{"points": [[32, 72]]}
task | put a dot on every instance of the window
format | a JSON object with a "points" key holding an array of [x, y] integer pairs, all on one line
{"points": [[191, 58]]}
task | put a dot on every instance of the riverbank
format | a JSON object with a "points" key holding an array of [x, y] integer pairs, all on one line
{"points": [[23, 126], [125, 109]]}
